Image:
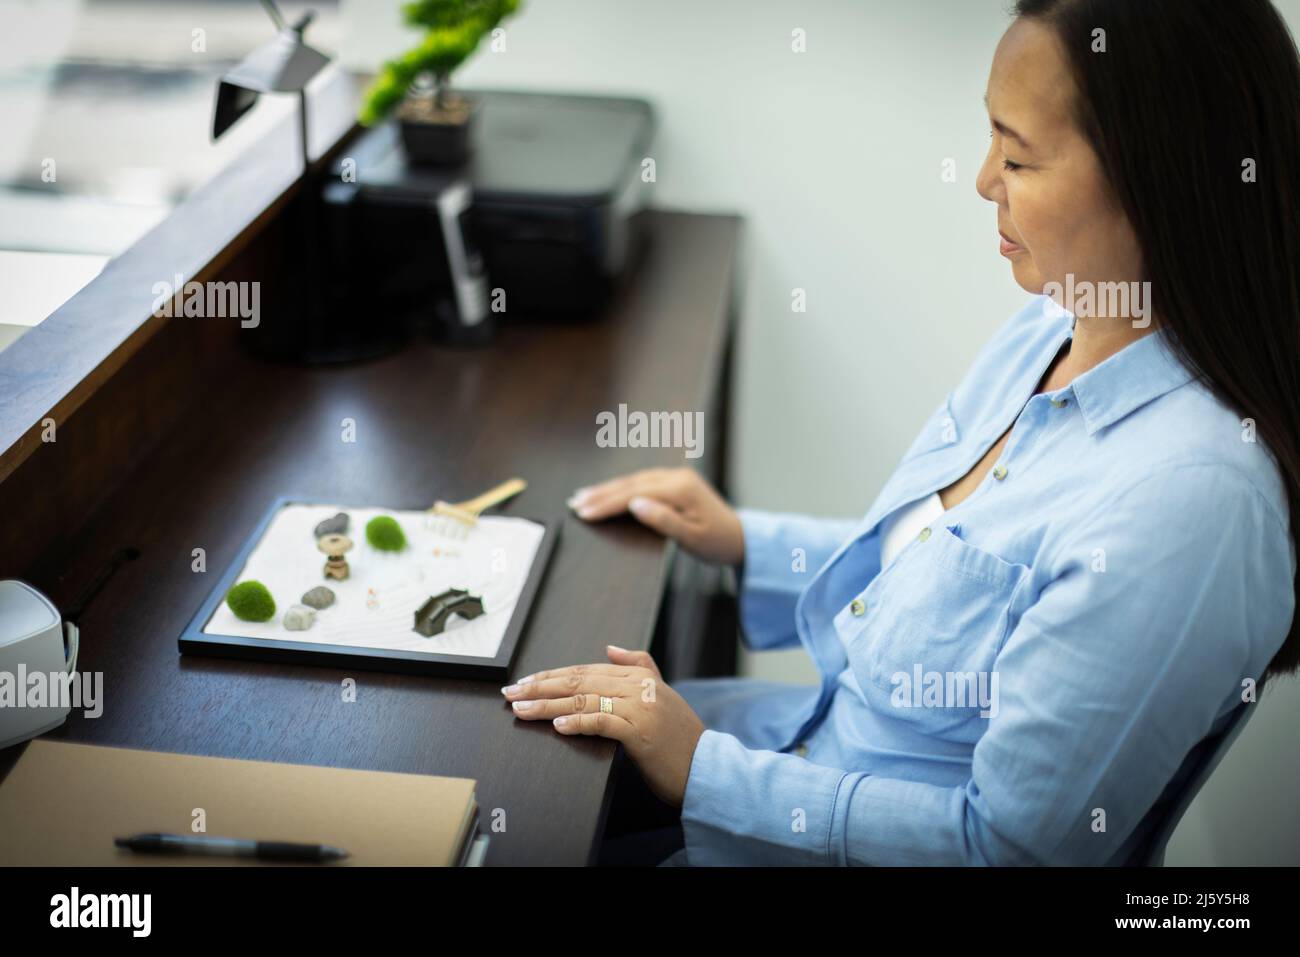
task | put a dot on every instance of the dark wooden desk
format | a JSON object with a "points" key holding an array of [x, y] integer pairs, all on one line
{"points": [[431, 422]]}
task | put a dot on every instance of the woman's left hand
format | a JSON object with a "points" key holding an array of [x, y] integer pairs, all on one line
{"points": [[650, 719]]}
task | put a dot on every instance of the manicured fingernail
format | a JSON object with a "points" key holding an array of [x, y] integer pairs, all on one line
{"points": [[587, 512], [509, 689], [524, 705], [562, 721], [525, 679], [638, 505], [615, 648]]}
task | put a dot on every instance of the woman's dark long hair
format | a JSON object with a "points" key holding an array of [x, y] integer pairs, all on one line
{"points": [[1188, 98]]}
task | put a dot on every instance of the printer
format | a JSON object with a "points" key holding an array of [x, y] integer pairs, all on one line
{"points": [[540, 222]]}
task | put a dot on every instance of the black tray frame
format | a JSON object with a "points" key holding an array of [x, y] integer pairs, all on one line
{"points": [[196, 641]]}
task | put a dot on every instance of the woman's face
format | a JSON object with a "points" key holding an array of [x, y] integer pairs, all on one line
{"points": [[1056, 213]]}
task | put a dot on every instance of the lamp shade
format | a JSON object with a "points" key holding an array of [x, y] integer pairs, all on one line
{"points": [[283, 65]]}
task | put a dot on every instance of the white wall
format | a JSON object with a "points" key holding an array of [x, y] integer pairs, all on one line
{"points": [[834, 157]]}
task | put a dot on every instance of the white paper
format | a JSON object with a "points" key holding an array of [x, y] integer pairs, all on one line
{"points": [[375, 607]]}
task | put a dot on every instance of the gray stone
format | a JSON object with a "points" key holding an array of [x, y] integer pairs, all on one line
{"points": [[337, 525], [318, 597], [299, 618]]}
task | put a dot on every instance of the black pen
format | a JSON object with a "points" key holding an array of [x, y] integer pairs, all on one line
{"points": [[229, 847]]}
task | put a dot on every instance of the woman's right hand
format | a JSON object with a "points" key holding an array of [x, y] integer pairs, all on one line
{"points": [[677, 503]]}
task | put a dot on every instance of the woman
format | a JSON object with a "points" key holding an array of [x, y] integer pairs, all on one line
{"points": [[1084, 563]]}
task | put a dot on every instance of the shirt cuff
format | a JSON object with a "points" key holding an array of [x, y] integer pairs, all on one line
{"points": [[745, 807]]}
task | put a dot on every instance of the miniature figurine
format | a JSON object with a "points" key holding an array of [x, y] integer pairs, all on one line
{"points": [[336, 547], [431, 618]]}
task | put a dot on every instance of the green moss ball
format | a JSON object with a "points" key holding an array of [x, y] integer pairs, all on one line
{"points": [[250, 601], [383, 533]]}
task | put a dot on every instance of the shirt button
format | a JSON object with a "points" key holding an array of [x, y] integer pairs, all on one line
{"points": [[1000, 472], [1060, 402], [858, 607], [802, 750], [925, 534]]}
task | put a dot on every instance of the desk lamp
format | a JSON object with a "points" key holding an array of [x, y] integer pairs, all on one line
{"points": [[286, 64]]}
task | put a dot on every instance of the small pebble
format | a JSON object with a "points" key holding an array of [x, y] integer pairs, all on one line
{"points": [[299, 618], [318, 597], [333, 526]]}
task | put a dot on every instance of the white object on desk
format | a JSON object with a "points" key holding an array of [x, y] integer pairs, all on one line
{"points": [[31, 642]]}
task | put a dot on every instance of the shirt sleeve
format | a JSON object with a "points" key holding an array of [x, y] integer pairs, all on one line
{"points": [[1157, 610], [782, 553]]}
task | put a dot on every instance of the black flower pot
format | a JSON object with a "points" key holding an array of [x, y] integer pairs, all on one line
{"points": [[438, 136]]}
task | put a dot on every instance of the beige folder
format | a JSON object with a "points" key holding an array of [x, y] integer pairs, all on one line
{"points": [[62, 804]]}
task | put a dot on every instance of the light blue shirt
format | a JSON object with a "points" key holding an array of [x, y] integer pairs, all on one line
{"points": [[1026, 679]]}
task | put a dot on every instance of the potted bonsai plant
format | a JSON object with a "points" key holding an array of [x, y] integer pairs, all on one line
{"points": [[435, 121]]}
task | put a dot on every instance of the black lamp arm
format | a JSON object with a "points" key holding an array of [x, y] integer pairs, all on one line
{"points": [[273, 12]]}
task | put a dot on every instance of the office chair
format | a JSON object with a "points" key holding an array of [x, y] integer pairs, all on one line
{"points": [[1202, 761]]}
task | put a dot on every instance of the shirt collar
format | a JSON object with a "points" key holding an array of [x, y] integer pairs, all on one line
{"points": [[1139, 373]]}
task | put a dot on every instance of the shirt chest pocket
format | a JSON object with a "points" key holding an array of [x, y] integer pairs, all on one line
{"points": [[932, 625]]}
